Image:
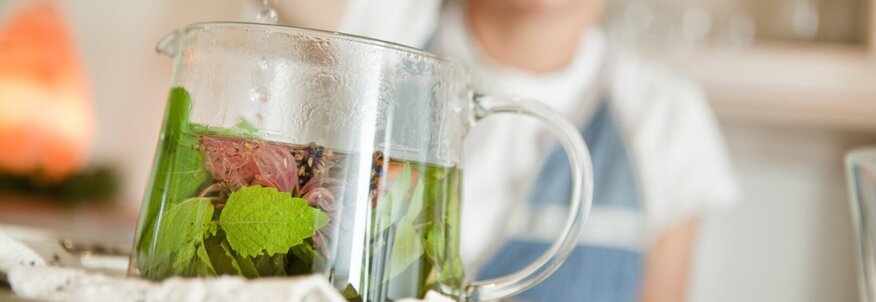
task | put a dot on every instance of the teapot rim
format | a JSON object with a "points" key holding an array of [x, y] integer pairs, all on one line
{"points": [[325, 33]]}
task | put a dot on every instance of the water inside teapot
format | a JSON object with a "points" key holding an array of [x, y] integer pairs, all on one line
{"points": [[224, 202]]}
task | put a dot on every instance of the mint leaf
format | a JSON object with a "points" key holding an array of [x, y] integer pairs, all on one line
{"points": [[402, 184], [246, 127], [183, 260], [247, 268], [303, 259], [214, 228], [390, 206], [405, 250], [183, 228], [435, 244], [206, 265], [259, 220], [223, 261], [179, 165], [350, 293], [445, 257], [243, 129], [270, 265], [452, 266], [407, 246], [220, 255], [188, 170], [416, 204], [449, 270]]}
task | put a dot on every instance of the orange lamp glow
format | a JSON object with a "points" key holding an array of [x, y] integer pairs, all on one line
{"points": [[46, 117]]}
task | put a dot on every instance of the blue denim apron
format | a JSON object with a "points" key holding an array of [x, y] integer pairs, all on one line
{"points": [[601, 267]]}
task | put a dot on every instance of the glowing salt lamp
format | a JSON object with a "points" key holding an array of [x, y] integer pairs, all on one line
{"points": [[46, 118]]}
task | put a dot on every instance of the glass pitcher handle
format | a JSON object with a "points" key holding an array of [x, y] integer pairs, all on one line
{"points": [[582, 195]]}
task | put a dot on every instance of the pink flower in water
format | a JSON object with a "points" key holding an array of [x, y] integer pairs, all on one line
{"points": [[237, 163], [240, 162], [320, 197], [319, 193]]}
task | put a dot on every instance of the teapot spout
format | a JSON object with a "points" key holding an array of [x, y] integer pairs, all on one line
{"points": [[169, 44]]}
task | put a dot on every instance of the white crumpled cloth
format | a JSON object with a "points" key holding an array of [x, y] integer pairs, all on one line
{"points": [[31, 278]]}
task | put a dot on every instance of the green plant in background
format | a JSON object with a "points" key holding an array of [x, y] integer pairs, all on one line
{"points": [[96, 184]]}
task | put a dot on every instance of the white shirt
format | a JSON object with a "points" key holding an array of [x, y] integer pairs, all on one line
{"points": [[673, 139]]}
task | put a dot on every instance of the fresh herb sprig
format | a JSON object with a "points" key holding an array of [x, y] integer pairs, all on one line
{"points": [[179, 170], [255, 230]]}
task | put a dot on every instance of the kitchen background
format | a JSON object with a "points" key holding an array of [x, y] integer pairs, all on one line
{"points": [[793, 84]]}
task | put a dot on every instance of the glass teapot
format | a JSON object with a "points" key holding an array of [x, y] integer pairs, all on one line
{"points": [[288, 151]]}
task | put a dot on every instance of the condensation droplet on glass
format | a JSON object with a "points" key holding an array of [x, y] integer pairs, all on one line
{"points": [[258, 119], [259, 95], [267, 14], [263, 64]]}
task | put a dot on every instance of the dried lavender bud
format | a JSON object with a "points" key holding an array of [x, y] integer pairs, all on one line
{"points": [[376, 175], [312, 161]]}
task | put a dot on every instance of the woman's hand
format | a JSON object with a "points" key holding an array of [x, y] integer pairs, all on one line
{"points": [[667, 267]]}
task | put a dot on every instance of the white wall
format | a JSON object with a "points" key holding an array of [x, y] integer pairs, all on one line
{"points": [[790, 239], [129, 80]]}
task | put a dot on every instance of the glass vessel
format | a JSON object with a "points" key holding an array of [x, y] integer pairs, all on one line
{"points": [[861, 170], [288, 151]]}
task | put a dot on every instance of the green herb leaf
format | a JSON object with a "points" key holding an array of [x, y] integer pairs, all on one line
{"points": [[183, 261], [452, 272], [179, 164], [259, 220], [405, 250], [407, 246], [350, 293], [221, 256], [243, 129], [303, 259], [206, 264], [247, 268], [390, 207], [246, 127], [435, 244], [179, 153], [402, 184], [183, 228], [270, 265], [416, 204], [448, 268], [214, 228]]}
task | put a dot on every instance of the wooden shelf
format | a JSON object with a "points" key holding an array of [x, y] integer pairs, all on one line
{"points": [[831, 86]]}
